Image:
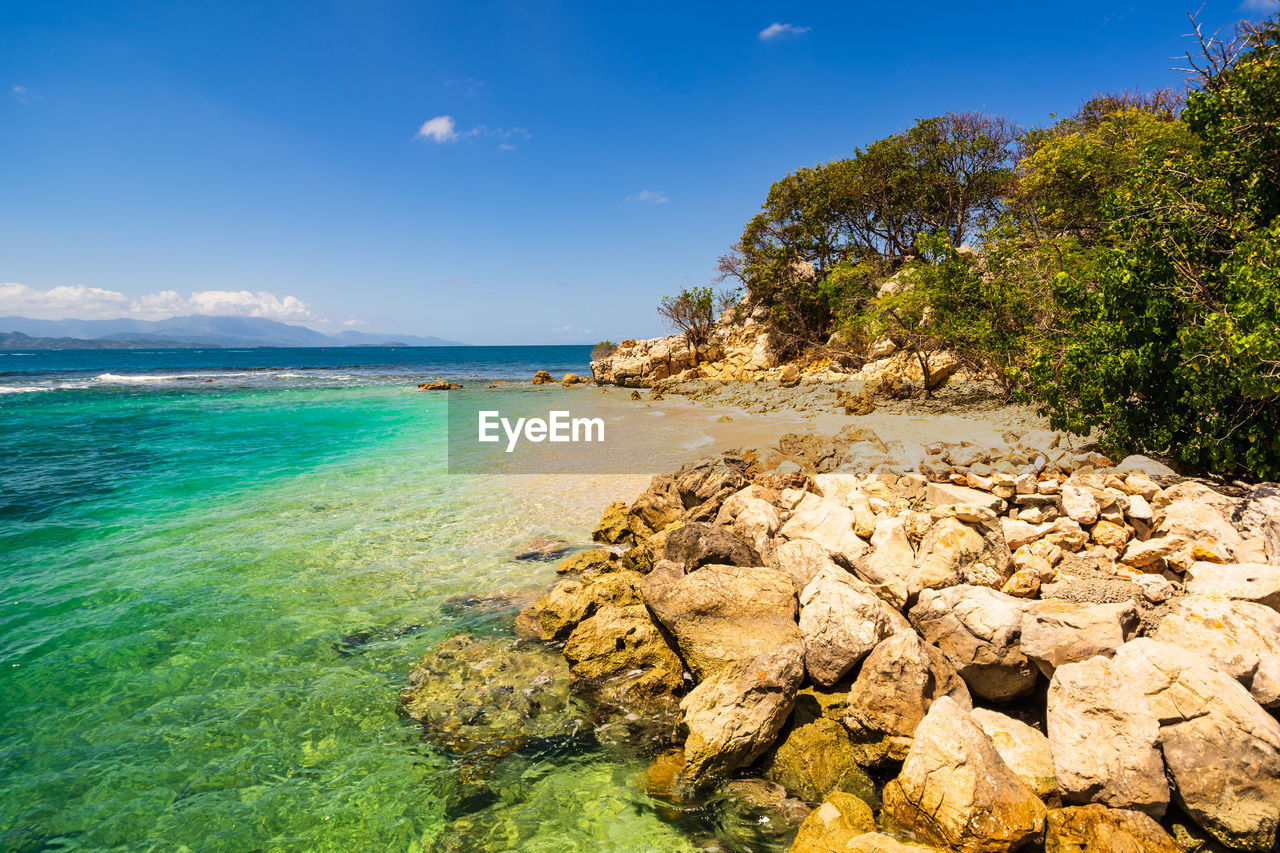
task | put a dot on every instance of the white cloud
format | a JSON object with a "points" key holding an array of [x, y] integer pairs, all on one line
{"points": [[649, 197], [94, 303], [1260, 7], [777, 30], [445, 129], [23, 95], [438, 129]]}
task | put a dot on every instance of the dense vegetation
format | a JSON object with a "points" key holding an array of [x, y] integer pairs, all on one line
{"points": [[1127, 267]]}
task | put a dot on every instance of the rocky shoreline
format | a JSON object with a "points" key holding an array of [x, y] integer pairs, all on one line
{"points": [[845, 643]]}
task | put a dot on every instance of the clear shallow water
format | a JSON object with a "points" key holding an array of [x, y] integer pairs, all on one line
{"points": [[179, 563]]}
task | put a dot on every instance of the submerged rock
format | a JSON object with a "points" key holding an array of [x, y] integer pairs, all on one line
{"points": [[816, 758], [493, 696], [832, 825]]}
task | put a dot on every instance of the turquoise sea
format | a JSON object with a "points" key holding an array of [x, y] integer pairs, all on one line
{"points": [[189, 541]]}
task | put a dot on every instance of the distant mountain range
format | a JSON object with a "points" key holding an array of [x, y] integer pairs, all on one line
{"points": [[194, 331]]}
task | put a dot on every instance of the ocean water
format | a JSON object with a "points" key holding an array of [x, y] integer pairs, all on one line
{"points": [[187, 537]]}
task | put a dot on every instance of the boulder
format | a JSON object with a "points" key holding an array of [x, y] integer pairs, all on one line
{"points": [[947, 551], [956, 791], [1105, 740], [577, 598], [1018, 532], [1079, 504], [816, 758], [878, 842], [618, 656], [898, 682], [1055, 631], [1098, 829], [802, 560], [832, 825], [890, 564], [751, 518], [1256, 582], [487, 697], [979, 630], [1145, 465], [1023, 748], [721, 614], [1241, 638], [614, 527], [657, 507], [1205, 527], [827, 522], [696, 544], [705, 484], [1222, 750], [600, 559], [735, 715], [841, 621], [940, 494]]}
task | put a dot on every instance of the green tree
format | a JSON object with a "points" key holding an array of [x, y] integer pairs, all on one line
{"points": [[1175, 342], [826, 234]]}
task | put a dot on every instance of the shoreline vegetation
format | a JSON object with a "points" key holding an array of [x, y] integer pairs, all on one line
{"points": [[1011, 580]]}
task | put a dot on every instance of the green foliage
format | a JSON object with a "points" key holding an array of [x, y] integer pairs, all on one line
{"points": [[692, 312], [604, 349], [807, 254], [1174, 344], [1075, 166]]}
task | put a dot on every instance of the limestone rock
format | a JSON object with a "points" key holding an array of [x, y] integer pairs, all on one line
{"points": [[721, 614], [802, 559], [600, 559], [832, 825], [696, 544], [1105, 740], [947, 551], [827, 522], [878, 842], [956, 791], [841, 621], [1256, 582], [493, 696], [1023, 748], [1055, 632], [735, 716], [816, 758], [1241, 638], [1079, 504], [939, 494], [619, 656], [1098, 829], [898, 682], [574, 599], [890, 565], [1221, 748], [979, 630], [1145, 465]]}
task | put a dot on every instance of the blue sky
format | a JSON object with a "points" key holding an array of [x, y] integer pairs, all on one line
{"points": [[267, 158]]}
